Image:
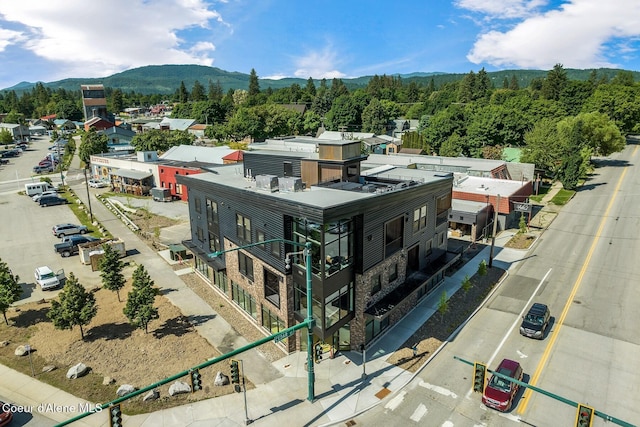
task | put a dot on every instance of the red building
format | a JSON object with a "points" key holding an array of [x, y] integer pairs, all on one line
{"points": [[167, 173]]}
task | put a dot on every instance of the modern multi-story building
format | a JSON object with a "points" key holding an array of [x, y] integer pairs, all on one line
{"points": [[379, 240]]}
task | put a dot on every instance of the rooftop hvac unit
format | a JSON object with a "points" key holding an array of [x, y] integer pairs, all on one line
{"points": [[369, 188], [290, 184], [267, 183]]}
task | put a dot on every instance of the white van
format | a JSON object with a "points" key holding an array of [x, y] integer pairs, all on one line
{"points": [[38, 188]]}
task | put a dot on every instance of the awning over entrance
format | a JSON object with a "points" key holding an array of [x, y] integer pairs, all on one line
{"points": [[133, 174], [216, 263]]}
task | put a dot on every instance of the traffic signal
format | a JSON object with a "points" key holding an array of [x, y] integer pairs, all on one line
{"points": [[196, 380], [115, 416], [287, 263], [235, 372], [479, 373], [584, 416]]}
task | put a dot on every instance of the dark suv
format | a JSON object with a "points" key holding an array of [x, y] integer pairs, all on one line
{"points": [[535, 322]]}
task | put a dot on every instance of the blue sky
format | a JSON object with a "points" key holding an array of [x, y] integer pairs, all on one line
{"points": [[50, 40]]}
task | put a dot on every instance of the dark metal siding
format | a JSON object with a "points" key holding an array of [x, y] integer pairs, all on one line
{"points": [[401, 203], [260, 164], [268, 213]]}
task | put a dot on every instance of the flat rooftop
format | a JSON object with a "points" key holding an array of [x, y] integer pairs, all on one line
{"points": [[331, 194]]}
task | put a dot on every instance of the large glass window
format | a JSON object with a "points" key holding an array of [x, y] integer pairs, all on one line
{"points": [[338, 246], [213, 228], [245, 265], [220, 280], [271, 322], [419, 218], [243, 228], [338, 305], [244, 299], [272, 288], [300, 303], [212, 212], [393, 233], [306, 231], [374, 327]]}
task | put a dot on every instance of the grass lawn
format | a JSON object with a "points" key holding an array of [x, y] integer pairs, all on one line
{"points": [[562, 197]]}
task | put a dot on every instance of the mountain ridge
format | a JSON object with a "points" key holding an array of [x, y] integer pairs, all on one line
{"points": [[166, 79]]}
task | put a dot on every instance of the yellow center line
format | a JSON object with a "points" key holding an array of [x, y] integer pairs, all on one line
{"points": [[545, 356]]}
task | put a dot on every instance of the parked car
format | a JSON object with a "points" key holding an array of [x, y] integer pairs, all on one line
{"points": [[62, 230], [52, 201], [5, 414], [47, 279], [69, 245], [37, 197], [96, 183], [536, 321], [499, 392], [3, 161], [42, 169], [47, 162]]}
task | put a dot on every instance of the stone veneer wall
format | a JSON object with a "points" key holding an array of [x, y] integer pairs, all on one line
{"points": [[364, 299], [256, 289]]}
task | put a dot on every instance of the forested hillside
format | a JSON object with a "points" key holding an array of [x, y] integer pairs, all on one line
{"points": [[560, 122]]}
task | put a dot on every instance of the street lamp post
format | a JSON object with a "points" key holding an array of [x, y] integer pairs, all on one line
{"points": [[311, 377]]}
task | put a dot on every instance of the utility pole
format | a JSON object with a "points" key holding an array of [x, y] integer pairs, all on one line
{"points": [[495, 230]]}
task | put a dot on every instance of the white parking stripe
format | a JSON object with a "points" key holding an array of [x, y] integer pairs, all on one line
{"points": [[440, 390], [420, 412], [396, 401]]}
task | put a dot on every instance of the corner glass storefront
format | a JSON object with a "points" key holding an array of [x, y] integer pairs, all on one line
{"points": [[332, 257]]}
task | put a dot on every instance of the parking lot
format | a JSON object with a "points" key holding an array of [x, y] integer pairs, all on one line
{"points": [[25, 227]]}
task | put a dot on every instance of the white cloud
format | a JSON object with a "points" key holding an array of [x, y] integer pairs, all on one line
{"points": [[98, 38], [502, 8], [8, 37], [575, 35], [318, 64]]}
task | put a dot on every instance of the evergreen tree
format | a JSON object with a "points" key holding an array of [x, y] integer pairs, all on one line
{"points": [[513, 84], [254, 85], [374, 118], [182, 95], [139, 309], [215, 91], [555, 82], [10, 289], [310, 88], [197, 92], [482, 268], [76, 306], [443, 305], [111, 267], [466, 284]]}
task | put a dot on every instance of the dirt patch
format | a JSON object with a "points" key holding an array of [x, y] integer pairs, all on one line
{"points": [[112, 348], [438, 328], [521, 241]]}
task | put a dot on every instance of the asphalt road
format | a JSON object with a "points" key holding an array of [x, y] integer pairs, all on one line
{"points": [[585, 268]]}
